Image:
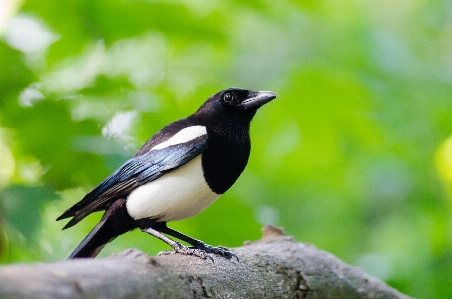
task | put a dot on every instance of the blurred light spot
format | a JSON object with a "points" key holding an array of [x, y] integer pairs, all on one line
{"points": [[143, 101], [28, 34], [376, 265], [30, 170], [443, 160], [120, 125], [266, 214], [46, 246], [90, 107], [7, 163], [76, 74], [7, 9], [200, 8], [29, 96], [100, 145], [392, 53], [142, 59]]}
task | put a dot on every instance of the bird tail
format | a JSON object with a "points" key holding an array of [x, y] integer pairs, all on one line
{"points": [[93, 243], [116, 221]]}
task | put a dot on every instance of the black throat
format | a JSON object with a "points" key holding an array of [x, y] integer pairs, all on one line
{"points": [[228, 152]]}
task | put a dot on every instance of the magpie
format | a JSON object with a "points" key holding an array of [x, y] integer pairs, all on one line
{"points": [[176, 174]]}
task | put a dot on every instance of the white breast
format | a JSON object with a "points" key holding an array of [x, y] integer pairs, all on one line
{"points": [[179, 194]]}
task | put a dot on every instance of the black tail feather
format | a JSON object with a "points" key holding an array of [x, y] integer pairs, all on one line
{"points": [[93, 243], [116, 221]]}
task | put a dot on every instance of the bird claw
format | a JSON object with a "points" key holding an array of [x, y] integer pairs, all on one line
{"points": [[179, 248], [216, 250], [201, 250]]}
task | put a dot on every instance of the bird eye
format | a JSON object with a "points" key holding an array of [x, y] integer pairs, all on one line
{"points": [[228, 98]]}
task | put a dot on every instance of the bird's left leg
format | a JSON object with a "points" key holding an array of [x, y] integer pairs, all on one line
{"points": [[178, 247], [197, 244]]}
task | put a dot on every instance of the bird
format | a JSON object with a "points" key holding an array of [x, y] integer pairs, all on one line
{"points": [[176, 174]]}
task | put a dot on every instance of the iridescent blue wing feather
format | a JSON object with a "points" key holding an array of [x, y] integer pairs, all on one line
{"points": [[135, 172]]}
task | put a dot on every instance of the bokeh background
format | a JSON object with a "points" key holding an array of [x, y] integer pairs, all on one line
{"points": [[354, 156]]}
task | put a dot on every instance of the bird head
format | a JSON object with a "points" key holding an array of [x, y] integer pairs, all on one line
{"points": [[234, 104]]}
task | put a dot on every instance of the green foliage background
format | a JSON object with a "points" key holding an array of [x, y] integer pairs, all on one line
{"points": [[355, 155]]}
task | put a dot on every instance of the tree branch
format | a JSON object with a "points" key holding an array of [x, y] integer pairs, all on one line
{"points": [[274, 267]]}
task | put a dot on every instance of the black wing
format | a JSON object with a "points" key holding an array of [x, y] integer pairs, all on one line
{"points": [[135, 172]]}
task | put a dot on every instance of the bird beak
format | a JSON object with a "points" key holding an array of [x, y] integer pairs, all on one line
{"points": [[258, 99]]}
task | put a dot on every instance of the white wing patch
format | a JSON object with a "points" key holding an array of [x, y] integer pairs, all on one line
{"points": [[179, 194], [182, 136]]}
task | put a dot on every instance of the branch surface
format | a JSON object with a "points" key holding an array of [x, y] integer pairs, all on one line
{"points": [[274, 267]]}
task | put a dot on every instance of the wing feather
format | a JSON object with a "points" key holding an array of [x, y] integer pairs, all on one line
{"points": [[135, 172]]}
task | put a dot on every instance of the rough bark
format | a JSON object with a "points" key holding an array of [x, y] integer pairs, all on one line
{"points": [[274, 267]]}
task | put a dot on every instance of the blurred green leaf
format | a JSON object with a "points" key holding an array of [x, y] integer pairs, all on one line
{"points": [[22, 207]]}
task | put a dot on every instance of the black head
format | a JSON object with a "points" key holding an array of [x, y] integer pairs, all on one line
{"points": [[234, 104]]}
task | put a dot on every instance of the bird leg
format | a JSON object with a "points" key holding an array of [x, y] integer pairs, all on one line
{"points": [[196, 244], [178, 247]]}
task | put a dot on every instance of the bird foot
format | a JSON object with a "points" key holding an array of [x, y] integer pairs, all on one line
{"points": [[179, 248], [215, 250], [201, 250]]}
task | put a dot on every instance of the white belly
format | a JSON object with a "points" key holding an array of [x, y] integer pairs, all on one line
{"points": [[179, 194]]}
